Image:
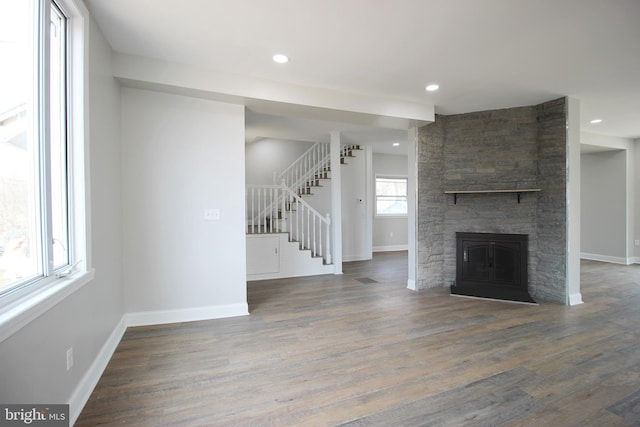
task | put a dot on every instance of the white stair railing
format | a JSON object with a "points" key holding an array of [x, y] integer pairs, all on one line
{"points": [[311, 166], [346, 150], [302, 174], [265, 207], [287, 212]]}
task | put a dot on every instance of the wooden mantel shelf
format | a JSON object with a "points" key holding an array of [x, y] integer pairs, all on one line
{"points": [[517, 191]]}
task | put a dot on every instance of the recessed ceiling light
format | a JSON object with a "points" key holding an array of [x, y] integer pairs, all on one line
{"points": [[395, 144], [280, 58], [432, 87], [596, 121]]}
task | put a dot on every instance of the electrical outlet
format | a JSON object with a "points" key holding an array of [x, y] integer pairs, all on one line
{"points": [[637, 242], [69, 359]]}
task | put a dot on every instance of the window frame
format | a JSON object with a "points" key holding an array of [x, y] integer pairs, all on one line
{"points": [[68, 181], [29, 300], [375, 195]]}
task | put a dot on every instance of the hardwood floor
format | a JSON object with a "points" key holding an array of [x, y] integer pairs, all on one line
{"points": [[362, 350]]}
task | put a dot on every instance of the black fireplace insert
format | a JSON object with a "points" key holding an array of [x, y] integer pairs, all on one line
{"points": [[490, 265]]}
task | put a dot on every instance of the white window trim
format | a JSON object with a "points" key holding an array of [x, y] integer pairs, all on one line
{"points": [[375, 196], [22, 307]]}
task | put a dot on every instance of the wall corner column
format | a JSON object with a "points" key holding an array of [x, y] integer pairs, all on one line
{"points": [[412, 192], [336, 201], [574, 296]]}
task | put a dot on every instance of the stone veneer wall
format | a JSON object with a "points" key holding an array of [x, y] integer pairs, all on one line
{"points": [[552, 201], [521, 147], [430, 205]]}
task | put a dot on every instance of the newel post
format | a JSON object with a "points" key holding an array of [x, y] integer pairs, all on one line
{"points": [[328, 234]]}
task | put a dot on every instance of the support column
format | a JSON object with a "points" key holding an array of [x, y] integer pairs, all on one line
{"points": [[631, 162], [336, 202], [573, 202], [412, 196], [635, 155], [369, 183]]}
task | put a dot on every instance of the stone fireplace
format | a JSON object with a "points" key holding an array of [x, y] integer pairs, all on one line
{"points": [[472, 169]]}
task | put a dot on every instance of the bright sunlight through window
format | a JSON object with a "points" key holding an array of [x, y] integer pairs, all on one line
{"points": [[34, 177], [391, 196]]}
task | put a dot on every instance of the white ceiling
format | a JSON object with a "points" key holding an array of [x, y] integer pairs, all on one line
{"points": [[485, 54]]}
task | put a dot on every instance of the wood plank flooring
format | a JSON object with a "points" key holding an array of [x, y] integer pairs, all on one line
{"points": [[362, 350]]}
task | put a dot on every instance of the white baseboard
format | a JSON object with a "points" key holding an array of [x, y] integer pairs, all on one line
{"points": [[316, 270], [606, 258], [90, 379], [390, 248], [575, 299], [349, 258], [635, 260], [186, 315]]}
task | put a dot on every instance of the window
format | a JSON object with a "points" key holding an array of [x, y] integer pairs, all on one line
{"points": [[391, 196], [38, 241]]}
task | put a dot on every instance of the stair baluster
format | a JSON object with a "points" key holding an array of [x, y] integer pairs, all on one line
{"points": [[302, 229], [327, 256], [273, 206], [314, 251], [264, 201]]}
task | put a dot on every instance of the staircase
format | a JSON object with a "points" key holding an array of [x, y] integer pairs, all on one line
{"points": [[281, 207]]}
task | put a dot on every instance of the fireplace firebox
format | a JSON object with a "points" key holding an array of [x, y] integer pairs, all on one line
{"points": [[490, 265]]}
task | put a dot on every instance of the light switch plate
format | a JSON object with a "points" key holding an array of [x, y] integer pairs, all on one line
{"points": [[211, 214]]}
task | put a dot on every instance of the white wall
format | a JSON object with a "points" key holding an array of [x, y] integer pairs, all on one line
{"points": [[356, 224], [181, 156], [388, 233], [266, 156], [33, 360], [603, 210], [635, 160], [621, 170]]}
